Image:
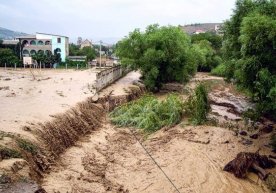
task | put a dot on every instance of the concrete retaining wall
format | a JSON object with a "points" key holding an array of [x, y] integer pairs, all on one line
{"points": [[108, 76]]}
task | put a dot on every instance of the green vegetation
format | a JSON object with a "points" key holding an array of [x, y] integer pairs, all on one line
{"points": [[7, 56], [75, 50], [197, 105], [7, 153], [47, 59], [73, 64], [250, 51], [219, 70], [162, 54], [207, 56], [148, 113], [27, 145], [214, 39]]}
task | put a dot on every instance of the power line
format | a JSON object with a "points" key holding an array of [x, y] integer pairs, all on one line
{"points": [[154, 161]]}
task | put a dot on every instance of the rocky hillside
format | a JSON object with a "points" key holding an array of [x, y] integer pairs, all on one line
{"points": [[7, 34]]}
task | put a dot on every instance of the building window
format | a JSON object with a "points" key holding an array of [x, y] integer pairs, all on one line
{"points": [[58, 40]]}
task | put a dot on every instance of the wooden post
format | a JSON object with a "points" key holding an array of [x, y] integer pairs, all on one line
{"points": [[77, 66]]}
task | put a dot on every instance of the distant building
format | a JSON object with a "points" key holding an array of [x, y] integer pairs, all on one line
{"points": [[86, 43], [202, 28], [45, 44]]}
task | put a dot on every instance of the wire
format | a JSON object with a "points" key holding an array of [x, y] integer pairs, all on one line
{"points": [[154, 161]]}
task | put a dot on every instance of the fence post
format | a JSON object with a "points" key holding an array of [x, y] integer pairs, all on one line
{"points": [[40, 65], [77, 66], [5, 66], [66, 65], [14, 66]]}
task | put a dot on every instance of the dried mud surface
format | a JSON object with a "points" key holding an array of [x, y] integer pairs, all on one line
{"points": [[32, 96]]}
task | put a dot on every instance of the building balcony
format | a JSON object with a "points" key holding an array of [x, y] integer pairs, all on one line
{"points": [[38, 47]]}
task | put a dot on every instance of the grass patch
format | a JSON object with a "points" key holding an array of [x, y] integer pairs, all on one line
{"points": [[7, 153], [27, 145], [148, 113], [197, 105]]}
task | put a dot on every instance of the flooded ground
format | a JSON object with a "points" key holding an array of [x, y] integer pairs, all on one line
{"points": [[112, 160], [31, 96]]}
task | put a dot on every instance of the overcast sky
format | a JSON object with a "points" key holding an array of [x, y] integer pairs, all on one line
{"points": [[107, 19]]}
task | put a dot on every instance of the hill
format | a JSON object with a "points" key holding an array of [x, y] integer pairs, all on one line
{"points": [[7, 34]]}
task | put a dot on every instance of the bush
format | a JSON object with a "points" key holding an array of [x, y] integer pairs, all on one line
{"points": [[197, 105], [220, 70], [148, 113]]}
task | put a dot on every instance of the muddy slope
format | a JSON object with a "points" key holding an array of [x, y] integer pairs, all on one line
{"points": [[53, 138]]}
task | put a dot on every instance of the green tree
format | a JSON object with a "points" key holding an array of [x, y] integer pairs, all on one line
{"points": [[163, 54], [7, 56], [250, 50], [214, 39], [207, 57], [89, 52]]}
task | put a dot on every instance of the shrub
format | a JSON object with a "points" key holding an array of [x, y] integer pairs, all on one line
{"points": [[197, 105], [219, 70], [148, 113]]}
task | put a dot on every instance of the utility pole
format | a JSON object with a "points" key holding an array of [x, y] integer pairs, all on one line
{"points": [[101, 53]]}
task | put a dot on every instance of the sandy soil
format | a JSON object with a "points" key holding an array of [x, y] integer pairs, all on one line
{"points": [[112, 160], [25, 100]]}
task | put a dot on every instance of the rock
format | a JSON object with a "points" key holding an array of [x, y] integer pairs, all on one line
{"points": [[267, 128], [254, 136], [244, 133], [246, 142]]}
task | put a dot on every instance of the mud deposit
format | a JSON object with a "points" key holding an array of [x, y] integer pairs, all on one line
{"points": [[111, 159], [85, 153]]}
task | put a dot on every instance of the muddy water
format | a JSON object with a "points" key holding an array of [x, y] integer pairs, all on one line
{"points": [[111, 160]]}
